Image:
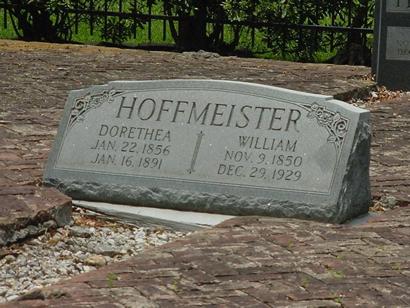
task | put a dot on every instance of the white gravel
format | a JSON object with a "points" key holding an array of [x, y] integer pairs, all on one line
{"points": [[90, 242]]}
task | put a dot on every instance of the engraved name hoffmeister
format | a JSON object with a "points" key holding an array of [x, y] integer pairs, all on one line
{"points": [[271, 155]]}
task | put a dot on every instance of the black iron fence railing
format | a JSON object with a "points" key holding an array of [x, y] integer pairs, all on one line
{"points": [[297, 28]]}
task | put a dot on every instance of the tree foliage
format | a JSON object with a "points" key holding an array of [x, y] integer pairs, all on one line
{"points": [[117, 30], [303, 43], [49, 20], [42, 19], [192, 28]]}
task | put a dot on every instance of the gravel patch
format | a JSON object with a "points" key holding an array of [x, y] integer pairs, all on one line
{"points": [[91, 241]]}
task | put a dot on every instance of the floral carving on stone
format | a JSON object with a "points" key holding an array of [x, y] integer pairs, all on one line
{"points": [[84, 104], [336, 125]]}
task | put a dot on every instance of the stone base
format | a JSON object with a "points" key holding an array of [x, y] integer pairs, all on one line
{"points": [[207, 202]]}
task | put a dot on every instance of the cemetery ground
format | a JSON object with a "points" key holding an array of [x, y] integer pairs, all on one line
{"points": [[246, 261]]}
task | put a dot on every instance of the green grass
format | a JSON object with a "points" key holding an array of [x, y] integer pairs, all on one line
{"points": [[84, 36], [141, 36], [6, 33]]}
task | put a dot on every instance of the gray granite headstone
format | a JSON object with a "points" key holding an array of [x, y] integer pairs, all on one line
{"points": [[391, 52], [214, 146]]}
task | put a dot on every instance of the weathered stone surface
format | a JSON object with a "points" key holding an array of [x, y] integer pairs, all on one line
{"points": [[215, 146]]}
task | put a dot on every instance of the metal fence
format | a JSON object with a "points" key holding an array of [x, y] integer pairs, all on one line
{"points": [[148, 16]]}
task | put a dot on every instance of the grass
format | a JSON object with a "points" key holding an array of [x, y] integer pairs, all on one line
{"points": [[6, 27], [141, 36], [111, 277]]}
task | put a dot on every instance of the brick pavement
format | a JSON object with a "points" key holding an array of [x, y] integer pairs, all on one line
{"points": [[250, 261], [26, 208], [255, 262], [40, 74], [390, 155]]}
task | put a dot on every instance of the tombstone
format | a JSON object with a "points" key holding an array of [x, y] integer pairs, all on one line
{"points": [[214, 146], [391, 50]]}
